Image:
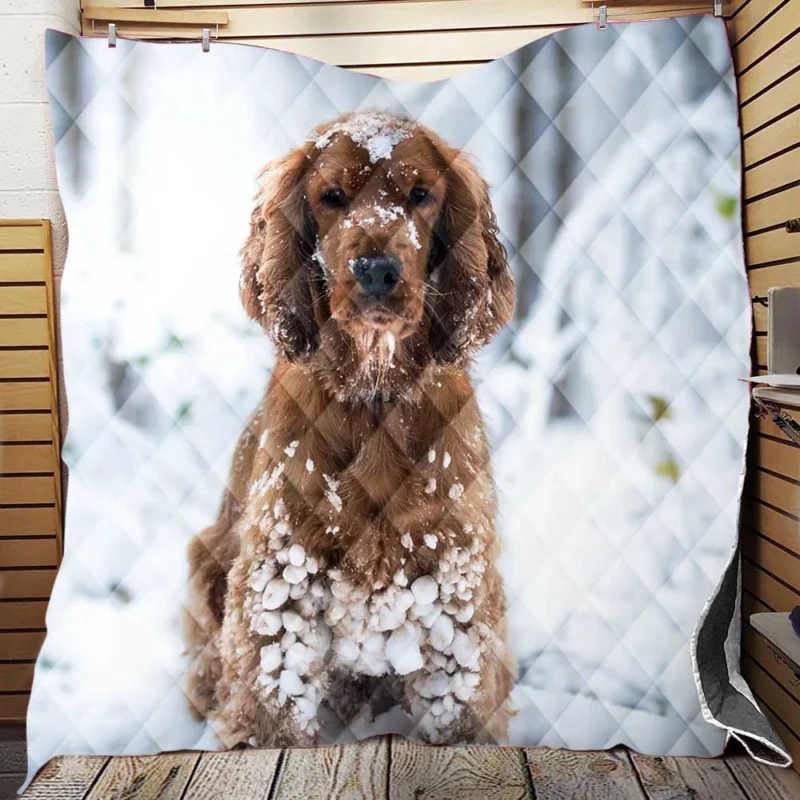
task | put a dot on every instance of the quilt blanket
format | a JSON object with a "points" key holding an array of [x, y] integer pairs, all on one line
{"points": [[398, 406]]}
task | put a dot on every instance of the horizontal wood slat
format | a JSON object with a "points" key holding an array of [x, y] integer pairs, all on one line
{"points": [[773, 68], [772, 246], [26, 584], [15, 459], [21, 235], [778, 562], [772, 524], [27, 521], [780, 457], [729, 7], [24, 332], [778, 101], [155, 17], [786, 736], [22, 614], [26, 396], [773, 210], [27, 489], [767, 142], [757, 648], [16, 646], [14, 707], [765, 278], [17, 300], [752, 605], [776, 28], [16, 677], [26, 428], [22, 267], [780, 702], [750, 16], [764, 587], [28, 553], [776, 491], [27, 363]]}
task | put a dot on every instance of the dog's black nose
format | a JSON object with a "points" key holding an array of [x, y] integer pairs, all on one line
{"points": [[377, 274]]}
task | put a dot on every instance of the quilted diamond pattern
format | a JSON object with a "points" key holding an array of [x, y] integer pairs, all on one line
{"points": [[616, 418]]}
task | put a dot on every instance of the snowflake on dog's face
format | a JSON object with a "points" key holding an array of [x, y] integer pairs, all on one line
{"points": [[309, 619]]}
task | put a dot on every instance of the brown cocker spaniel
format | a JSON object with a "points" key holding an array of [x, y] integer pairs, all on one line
{"points": [[354, 561]]}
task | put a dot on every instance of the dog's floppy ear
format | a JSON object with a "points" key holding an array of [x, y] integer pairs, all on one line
{"points": [[475, 288], [277, 268]]}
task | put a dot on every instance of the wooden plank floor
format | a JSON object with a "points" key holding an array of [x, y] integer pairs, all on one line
{"points": [[395, 769]]}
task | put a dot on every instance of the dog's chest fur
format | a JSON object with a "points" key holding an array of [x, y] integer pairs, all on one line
{"points": [[366, 538]]}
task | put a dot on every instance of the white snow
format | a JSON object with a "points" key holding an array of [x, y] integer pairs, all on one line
{"points": [[309, 465], [430, 540], [299, 658], [413, 235], [259, 579], [465, 651], [290, 683], [376, 132], [276, 594], [267, 623], [446, 460], [293, 574], [297, 555], [291, 449], [442, 632], [455, 492], [331, 494], [271, 657], [402, 649], [430, 487], [425, 590]]}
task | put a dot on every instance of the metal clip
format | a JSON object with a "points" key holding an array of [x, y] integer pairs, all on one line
{"points": [[717, 8], [206, 40], [602, 18], [112, 34]]}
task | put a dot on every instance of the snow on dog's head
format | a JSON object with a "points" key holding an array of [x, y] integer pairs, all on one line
{"points": [[376, 230]]}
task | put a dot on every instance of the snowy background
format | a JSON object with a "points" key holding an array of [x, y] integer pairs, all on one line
{"points": [[612, 399]]}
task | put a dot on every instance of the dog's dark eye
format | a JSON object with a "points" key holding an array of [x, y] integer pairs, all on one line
{"points": [[335, 198], [418, 195]]}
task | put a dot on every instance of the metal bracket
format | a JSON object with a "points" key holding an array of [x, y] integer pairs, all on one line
{"points": [[112, 34], [206, 41], [717, 8], [602, 18]]}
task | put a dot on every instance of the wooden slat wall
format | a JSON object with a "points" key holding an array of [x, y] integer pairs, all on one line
{"points": [[766, 53], [30, 481]]}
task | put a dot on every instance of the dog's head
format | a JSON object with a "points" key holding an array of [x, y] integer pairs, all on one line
{"points": [[379, 234]]}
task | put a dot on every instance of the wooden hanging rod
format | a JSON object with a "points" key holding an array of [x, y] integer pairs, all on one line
{"points": [[155, 16]]}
